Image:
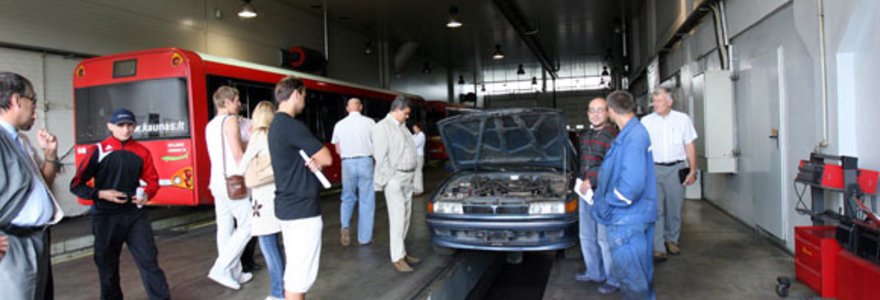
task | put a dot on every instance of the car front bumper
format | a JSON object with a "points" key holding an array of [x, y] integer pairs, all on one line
{"points": [[509, 234]]}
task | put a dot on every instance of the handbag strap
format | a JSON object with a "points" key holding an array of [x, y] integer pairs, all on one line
{"points": [[223, 143]]}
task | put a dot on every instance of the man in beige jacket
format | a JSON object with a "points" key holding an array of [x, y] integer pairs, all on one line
{"points": [[395, 155]]}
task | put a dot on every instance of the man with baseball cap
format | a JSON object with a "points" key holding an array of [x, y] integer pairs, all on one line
{"points": [[118, 165]]}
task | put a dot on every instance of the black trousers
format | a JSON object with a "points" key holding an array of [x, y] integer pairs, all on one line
{"points": [[132, 228]]}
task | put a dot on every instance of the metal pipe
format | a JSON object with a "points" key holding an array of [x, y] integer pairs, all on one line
{"points": [[825, 139], [326, 42], [727, 45], [516, 18], [45, 89], [719, 37]]}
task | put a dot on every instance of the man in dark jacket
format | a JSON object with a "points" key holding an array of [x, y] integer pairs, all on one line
{"points": [[118, 164], [594, 143]]}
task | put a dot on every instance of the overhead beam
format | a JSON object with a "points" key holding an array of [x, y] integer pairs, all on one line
{"points": [[526, 32]]}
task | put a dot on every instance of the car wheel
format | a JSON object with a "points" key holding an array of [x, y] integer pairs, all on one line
{"points": [[443, 250]]}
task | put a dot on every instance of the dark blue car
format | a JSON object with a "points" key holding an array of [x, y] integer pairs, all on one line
{"points": [[512, 185]]}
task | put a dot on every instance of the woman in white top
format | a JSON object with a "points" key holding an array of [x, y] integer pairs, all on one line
{"points": [[263, 223], [418, 180]]}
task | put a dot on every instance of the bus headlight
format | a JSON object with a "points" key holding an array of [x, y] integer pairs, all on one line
{"points": [[546, 208], [452, 208]]}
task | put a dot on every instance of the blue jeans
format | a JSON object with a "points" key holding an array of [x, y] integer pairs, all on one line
{"points": [[357, 176], [632, 259], [594, 246], [275, 263]]}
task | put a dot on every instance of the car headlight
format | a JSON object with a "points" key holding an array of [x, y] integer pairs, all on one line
{"points": [[442, 207], [542, 208]]}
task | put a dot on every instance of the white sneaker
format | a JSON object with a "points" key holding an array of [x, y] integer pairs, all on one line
{"points": [[245, 277], [227, 282]]}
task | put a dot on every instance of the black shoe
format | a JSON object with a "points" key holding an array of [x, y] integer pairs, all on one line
{"points": [[251, 268]]}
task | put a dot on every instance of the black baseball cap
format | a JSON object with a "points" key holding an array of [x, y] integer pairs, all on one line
{"points": [[122, 115]]}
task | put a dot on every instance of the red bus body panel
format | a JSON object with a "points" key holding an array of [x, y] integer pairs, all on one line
{"points": [[183, 164]]}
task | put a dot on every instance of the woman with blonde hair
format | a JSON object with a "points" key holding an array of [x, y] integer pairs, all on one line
{"points": [[257, 167]]}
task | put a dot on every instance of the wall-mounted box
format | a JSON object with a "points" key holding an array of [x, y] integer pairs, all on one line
{"points": [[714, 122]]}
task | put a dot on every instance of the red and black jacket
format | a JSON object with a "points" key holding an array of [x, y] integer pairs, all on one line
{"points": [[594, 143], [115, 165]]}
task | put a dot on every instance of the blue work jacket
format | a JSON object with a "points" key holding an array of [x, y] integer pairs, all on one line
{"points": [[627, 192]]}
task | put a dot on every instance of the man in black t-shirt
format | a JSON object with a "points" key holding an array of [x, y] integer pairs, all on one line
{"points": [[296, 192]]}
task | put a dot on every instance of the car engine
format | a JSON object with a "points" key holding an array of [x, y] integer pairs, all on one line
{"points": [[506, 185]]}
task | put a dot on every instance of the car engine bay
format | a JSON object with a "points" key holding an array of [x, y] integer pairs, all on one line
{"points": [[505, 186]]}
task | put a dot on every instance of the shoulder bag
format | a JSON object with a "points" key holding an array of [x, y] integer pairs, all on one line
{"points": [[235, 184]]}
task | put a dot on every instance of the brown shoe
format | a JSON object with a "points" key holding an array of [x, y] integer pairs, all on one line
{"points": [[672, 248], [345, 237], [412, 259], [402, 266], [659, 256]]}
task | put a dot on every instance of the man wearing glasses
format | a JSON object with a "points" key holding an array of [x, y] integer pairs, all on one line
{"points": [[27, 206]]}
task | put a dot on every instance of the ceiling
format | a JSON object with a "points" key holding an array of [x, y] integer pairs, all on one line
{"points": [[567, 30]]}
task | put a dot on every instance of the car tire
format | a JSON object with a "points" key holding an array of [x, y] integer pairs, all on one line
{"points": [[440, 250]]}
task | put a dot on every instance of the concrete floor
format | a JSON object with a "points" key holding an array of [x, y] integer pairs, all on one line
{"points": [[721, 259], [355, 272]]}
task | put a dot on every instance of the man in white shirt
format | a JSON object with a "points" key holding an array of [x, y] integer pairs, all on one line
{"points": [[351, 136], [672, 136], [419, 139], [27, 206]]}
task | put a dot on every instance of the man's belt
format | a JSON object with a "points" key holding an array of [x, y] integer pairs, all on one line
{"points": [[353, 157], [667, 164], [23, 230]]}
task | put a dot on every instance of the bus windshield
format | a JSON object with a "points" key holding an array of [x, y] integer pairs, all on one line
{"points": [[160, 106]]}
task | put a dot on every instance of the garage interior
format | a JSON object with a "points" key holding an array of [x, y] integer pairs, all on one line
{"points": [[767, 84]]}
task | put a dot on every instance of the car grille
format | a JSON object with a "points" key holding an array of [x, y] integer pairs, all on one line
{"points": [[496, 209]]}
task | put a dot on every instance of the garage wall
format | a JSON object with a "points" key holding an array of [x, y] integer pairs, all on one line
{"points": [[765, 35]]}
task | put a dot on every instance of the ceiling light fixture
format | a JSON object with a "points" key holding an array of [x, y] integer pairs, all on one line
{"points": [[534, 80], [247, 11], [453, 18], [498, 54], [368, 47], [604, 71], [520, 71], [460, 79], [483, 89], [427, 68]]}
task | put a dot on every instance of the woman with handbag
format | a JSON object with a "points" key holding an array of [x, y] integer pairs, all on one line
{"points": [[257, 168]]}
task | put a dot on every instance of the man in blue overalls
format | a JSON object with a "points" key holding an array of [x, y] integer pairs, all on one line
{"points": [[626, 200]]}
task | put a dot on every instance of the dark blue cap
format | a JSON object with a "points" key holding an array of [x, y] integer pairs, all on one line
{"points": [[122, 116]]}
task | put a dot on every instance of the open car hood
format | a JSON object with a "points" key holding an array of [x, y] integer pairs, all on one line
{"points": [[507, 137]]}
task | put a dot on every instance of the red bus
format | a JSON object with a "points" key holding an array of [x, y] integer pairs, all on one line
{"points": [[435, 111], [170, 90]]}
